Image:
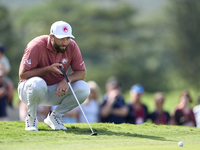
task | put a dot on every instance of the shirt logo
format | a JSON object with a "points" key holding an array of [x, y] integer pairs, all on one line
{"points": [[64, 60], [65, 29], [81, 63], [28, 62]]}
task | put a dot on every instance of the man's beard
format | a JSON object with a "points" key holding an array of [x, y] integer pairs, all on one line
{"points": [[57, 47]]}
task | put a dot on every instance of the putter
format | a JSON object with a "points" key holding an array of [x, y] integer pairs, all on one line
{"points": [[63, 71]]}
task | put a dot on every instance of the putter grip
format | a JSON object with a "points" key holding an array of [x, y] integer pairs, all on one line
{"points": [[63, 71]]}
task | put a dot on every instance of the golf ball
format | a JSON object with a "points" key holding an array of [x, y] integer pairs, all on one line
{"points": [[180, 143]]}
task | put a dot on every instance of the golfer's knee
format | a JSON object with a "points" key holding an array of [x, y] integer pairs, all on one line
{"points": [[83, 91], [38, 86]]}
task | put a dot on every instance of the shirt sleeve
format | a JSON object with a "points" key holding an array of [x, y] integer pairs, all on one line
{"points": [[192, 117], [152, 116], [146, 113], [31, 56], [6, 63], [130, 117], [168, 117], [77, 60], [179, 118]]}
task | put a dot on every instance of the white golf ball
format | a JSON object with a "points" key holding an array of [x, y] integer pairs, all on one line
{"points": [[180, 143]]}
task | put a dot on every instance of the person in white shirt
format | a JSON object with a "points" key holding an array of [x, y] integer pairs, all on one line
{"points": [[5, 67], [196, 111], [90, 106]]}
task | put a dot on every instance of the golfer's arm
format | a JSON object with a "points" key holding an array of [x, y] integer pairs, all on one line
{"points": [[5, 71], [26, 74], [106, 109], [77, 75], [123, 111]]}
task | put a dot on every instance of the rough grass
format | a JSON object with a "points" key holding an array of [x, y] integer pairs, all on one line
{"points": [[110, 136]]}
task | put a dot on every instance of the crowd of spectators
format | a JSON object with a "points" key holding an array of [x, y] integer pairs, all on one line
{"points": [[6, 85], [114, 109]]}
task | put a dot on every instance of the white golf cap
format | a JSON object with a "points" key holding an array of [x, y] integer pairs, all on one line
{"points": [[61, 30]]}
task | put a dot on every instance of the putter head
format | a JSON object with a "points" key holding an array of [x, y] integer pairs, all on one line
{"points": [[93, 133]]}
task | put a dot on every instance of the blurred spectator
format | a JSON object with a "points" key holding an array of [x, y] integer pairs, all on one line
{"points": [[3, 95], [159, 116], [135, 112], [5, 66], [183, 114], [42, 112], [112, 100], [196, 111], [90, 106], [138, 112]]}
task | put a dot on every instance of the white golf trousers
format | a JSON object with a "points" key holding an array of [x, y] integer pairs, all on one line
{"points": [[34, 92]]}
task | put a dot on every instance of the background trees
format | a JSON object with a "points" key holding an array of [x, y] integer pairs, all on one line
{"points": [[160, 52], [185, 23]]}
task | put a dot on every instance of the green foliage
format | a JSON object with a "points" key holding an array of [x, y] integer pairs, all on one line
{"points": [[185, 27], [9, 41], [100, 32], [161, 52], [110, 136], [5, 25]]}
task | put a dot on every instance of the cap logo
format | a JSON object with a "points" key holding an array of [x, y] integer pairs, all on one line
{"points": [[65, 29]]}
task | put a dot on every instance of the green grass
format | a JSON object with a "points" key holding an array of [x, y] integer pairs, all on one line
{"points": [[110, 136]]}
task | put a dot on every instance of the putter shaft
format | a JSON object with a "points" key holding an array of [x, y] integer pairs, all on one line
{"points": [[63, 71]]}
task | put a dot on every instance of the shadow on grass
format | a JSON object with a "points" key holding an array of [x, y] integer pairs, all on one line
{"points": [[101, 132]]}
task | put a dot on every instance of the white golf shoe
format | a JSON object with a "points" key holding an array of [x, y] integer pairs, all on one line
{"points": [[31, 123], [54, 122]]}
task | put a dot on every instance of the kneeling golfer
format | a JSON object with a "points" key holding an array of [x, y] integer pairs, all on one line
{"points": [[43, 83]]}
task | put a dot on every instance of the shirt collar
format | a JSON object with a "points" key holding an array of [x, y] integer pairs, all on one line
{"points": [[49, 46]]}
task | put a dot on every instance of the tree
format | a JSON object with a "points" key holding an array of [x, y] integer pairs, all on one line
{"points": [[111, 41], [5, 25], [185, 28], [101, 32], [9, 40]]}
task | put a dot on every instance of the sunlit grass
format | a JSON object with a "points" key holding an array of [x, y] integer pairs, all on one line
{"points": [[110, 136]]}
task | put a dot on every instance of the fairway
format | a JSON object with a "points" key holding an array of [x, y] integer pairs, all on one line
{"points": [[110, 136]]}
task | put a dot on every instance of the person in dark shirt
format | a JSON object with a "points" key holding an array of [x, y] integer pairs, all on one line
{"points": [[3, 96], [138, 112], [5, 68], [135, 112], [183, 114], [112, 100], [159, 116]]}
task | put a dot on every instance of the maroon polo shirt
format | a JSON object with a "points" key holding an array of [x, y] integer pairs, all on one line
{"points": [[39, 53]]}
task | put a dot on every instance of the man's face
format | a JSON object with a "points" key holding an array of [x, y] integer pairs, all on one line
{"points": [[60, 45], [135, 96], [185, 99], [159, 103]]}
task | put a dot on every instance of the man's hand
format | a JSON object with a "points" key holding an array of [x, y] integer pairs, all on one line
{"points": [[26, 74], [112, 96], [55, 68], [107, 108], [62, 88]]}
